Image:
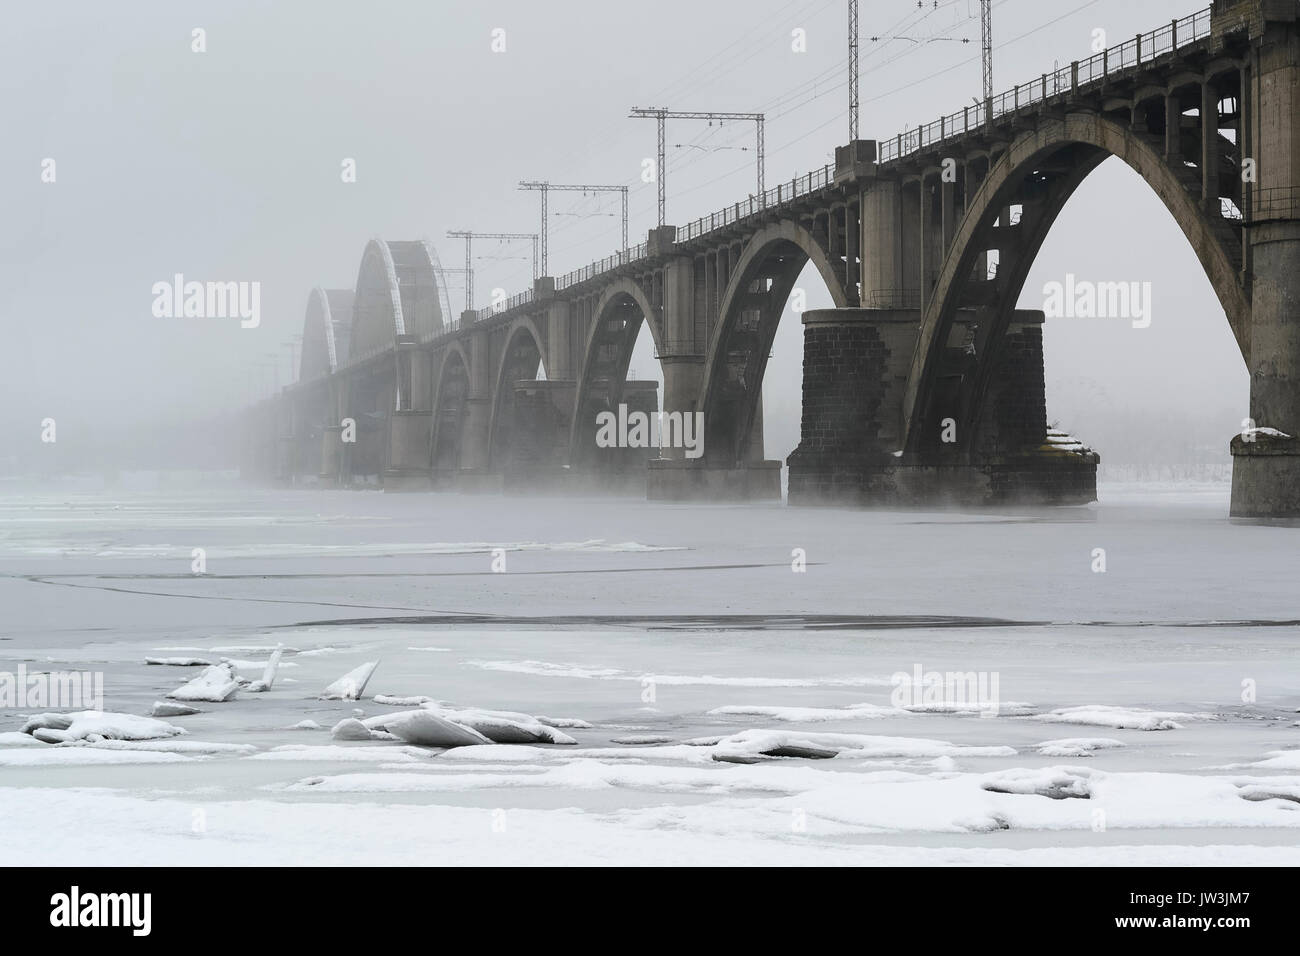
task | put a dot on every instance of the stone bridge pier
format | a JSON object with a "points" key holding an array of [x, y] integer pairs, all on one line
{"points": [[1266, 461]]}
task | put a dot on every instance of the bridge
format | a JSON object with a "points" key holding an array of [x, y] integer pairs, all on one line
{"points": [[923, 384]]}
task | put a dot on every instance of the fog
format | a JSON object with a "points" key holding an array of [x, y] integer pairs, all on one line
{"points": [[225, 165]]}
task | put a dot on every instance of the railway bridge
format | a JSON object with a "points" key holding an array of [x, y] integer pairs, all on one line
{"points": [[924, 383]]}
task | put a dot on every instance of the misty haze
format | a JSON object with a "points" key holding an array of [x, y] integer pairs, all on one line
{"points": [[778, 432]]}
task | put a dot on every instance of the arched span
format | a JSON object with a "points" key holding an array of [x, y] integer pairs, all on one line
{"points": [[396, 294], [617, 319], [377, 317], [1087, 140], [524, 352], [748, 314], [324, 332], [449, 403], [415, 264]]}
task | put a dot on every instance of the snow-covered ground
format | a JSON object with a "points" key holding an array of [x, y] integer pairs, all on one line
{"points": [[1146, 713]]}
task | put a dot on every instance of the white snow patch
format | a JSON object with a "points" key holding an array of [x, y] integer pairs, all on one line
{"points": [[1076, 746], [217, 683], [96, 725], [579, 671], [1121, 718], [756, 744], [807, 714]]}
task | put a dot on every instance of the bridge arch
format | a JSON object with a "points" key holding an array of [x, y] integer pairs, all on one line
{"points": [[749, 311], [524, 352], [325, 330], [377, 317], [618, 316], [396, 294], [450, 407], [1039, 171]]}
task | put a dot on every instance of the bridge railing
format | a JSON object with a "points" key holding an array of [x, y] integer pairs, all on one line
{"points": [[1133, 53], [1274, 202], [511, 303], [781, 193], [604, 265]]}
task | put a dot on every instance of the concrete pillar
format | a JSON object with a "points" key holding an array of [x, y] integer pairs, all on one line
{"points": [[478, 407], [948, 199], [754, 451], [559, 362], [342, 397], [882, 244], [924, 239], [852, 240], [1266, 466], [908, 295], [683, 378], [679, 305], [1173, 127], [1210, 148]]}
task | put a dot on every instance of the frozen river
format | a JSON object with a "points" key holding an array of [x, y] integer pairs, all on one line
{"points": [[1144, 713]]}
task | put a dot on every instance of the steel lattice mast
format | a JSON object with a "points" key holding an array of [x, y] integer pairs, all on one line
{"points": [[662, 115], [853, 70], [986, 41], [545, 187], [469, 236]]}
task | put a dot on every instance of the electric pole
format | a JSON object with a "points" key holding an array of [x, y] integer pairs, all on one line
{"points": [[661, 115], [986, 40], [442, 278], [292, 346], [545, 187], [853, 70], [469, 237]]}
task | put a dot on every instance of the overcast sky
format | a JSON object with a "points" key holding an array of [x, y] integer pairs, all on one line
{"points": [[225, 165]]}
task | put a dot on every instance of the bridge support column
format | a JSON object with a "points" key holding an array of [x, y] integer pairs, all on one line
{"points": [[1017, 458], [478, 421], [408, 451], [539, 450], [855, 369], [852, 447], [1266, 462], [683, 379]]}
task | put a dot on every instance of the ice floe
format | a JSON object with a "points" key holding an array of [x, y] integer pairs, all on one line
{"points": [[584, 672], [267, 679], [1076, 746], [349, 728], [217, 683], [1120, 718], [805, 715], [570, 723], [754, 745], [352, 684], [1056, 783], [167, 708], [96, 725], [427, 729]]}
